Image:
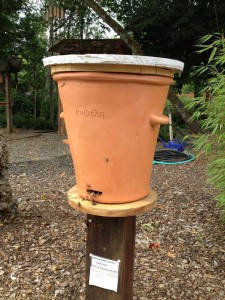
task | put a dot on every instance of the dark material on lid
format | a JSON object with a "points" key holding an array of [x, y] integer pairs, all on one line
{"points": [[103, 46]]}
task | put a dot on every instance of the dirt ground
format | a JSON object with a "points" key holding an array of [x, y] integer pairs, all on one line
{"points": [[180, 245]]}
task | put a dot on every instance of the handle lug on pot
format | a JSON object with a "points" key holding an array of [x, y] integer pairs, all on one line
{"points": [[158, 120]]}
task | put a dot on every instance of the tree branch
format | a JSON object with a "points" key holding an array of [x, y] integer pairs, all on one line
{"points": [[184, 113], [134, 46]]}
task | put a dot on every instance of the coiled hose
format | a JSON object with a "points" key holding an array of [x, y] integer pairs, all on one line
{"points": [[171, 157]]}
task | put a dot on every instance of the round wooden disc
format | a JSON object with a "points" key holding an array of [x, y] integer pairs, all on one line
{"points": [[112, 210]]}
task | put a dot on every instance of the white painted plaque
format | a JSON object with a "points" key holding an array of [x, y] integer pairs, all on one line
{"points": [[104, 273]]}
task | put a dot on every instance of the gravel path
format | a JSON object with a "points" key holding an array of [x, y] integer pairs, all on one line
{"points": [[180, 245], [47, 146]]}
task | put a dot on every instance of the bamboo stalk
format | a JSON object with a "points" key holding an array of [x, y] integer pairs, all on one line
{"points": [[62, 14], [55, 11], [50, 11]]}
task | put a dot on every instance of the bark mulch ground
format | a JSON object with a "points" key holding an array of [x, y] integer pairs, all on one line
{"points": [[180, 245]]}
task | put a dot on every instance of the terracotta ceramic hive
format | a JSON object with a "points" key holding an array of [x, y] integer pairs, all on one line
{"points": [[112, 106]]}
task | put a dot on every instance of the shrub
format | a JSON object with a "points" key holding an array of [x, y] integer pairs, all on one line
{"points": [[27, 122], [211, 112]]}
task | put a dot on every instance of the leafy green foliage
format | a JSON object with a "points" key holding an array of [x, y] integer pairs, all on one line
{"points": [[23, 34], [211, 111], [162, 28], [170, 28], [9, 18], [26, 122]]}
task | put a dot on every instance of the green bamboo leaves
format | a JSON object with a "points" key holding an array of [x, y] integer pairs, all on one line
{"points": [[209, 109]]}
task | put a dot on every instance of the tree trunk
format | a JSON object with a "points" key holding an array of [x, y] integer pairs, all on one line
{"points": [[134, 46], [8, 206], [184, 113], [116, 27]]}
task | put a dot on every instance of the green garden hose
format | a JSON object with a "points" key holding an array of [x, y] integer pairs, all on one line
{"points": [[172, 157]]}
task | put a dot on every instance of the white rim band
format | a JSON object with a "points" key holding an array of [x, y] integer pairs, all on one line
{"points": [[104, 59]]}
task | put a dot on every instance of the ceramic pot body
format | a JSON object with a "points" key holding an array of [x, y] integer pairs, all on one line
{"points": [[112, 122]]}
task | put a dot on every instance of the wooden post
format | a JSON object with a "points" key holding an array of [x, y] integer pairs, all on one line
{"points": [[61, 122], [51, 101], [111, 238], [51, 84], [8, 102]]}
